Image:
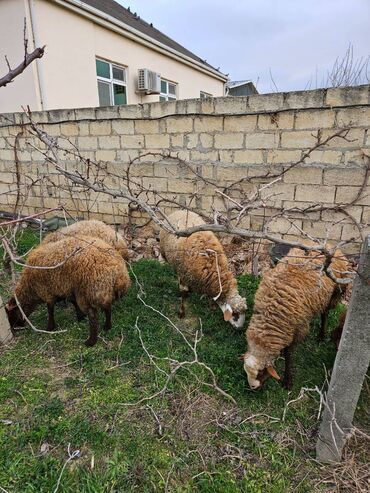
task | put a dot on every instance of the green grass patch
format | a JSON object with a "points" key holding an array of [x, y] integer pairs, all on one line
{"points": [[55, 392]]}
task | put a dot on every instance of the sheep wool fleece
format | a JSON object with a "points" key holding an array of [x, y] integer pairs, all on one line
{"points": [[199, 260], [92, 228], [91, 269], [288, 298]]}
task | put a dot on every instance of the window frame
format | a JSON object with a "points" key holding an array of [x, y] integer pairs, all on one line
{"points": [[112, 81], [167, 96], [205, 95]]}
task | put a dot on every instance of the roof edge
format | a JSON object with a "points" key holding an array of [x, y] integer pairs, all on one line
{"points": [[118, 26]]}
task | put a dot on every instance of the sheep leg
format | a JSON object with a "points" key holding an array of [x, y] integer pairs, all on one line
{"points": [[79, 313], [324, 325], [94, 327], [288, 371], [108, 318], [51, 321]]}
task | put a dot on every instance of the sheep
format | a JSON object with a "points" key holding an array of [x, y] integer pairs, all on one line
{"points": [[93, 228], [89, 270], [201, 264], [288, 298]]}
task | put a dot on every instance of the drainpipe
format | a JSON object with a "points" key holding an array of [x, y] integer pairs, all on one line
{"points": [[40, 92]]}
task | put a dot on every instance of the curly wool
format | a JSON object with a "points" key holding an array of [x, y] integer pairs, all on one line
{"points": [[199, 259], [94, 273], [288, 298], [93, 228]]}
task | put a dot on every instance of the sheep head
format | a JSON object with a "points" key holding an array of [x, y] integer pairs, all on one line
{"points": [[258, 371], [234, 310], [14, 314]]}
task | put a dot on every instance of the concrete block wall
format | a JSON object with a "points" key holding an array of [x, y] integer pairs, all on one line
{"points": [[224, 139]]}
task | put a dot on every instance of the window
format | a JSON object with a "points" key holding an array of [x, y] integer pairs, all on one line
{"points": [[205, 95], [111, 83], [168, 91]]}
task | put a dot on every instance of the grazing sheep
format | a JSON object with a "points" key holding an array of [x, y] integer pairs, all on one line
{"points": [[89, 271], [201, 264], [288, 298], [93, 228]]}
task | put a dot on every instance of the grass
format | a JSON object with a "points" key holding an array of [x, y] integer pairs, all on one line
{"points": [[54, 391]]}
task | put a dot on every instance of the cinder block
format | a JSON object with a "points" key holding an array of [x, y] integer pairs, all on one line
{"points": [[66, 129], [346, 194], [100, 128], [87, 143], [272, 121], [304, 175], [315, 193], [180, 186], [344, 96], [231, 105], [354, 138], [208, 123], [177, 140], [344, 176], [248, 157], [146, 126], [305, 99], [298, 140], [324, 157], [132, 141], [206, 140], [315, 119], [262, 140], [266, 102], [105, 155], [229, 141], [359, 117], [191, 140], [242, 123], [85, 114], [179, 124], [204, 156], [110, 142], [157, 141], [120, 127], [225, 156], [278, 156]]}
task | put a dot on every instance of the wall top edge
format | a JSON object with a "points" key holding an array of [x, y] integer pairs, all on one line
{"points": [[221, 106]]}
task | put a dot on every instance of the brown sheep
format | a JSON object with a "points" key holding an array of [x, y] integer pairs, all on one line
{"points": [[288, 298], [201, 264], [92, 273], [93, 228]]}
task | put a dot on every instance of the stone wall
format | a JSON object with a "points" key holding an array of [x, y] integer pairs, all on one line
{"points": [[224, 139]]}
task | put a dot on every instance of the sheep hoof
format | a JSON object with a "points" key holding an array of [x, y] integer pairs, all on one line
{"points": [[90, 342]]}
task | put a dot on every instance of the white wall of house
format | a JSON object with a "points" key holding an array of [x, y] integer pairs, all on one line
{"points": [[23, 90], [67, 72]]}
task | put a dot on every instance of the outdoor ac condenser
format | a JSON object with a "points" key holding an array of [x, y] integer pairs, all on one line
{"points": [[149, 82]]}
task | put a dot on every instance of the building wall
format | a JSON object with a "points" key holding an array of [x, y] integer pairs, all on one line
{"points": [[67, 70], [23, 90], [224, 139]]}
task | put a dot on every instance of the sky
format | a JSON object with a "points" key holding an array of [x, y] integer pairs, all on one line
{"points": [[296, 40]]}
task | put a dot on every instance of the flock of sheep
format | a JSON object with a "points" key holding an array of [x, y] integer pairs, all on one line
{"points": [[85, 263]]}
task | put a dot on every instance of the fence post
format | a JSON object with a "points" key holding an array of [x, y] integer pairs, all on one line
{"points": [[350, 367], [5, 331]]}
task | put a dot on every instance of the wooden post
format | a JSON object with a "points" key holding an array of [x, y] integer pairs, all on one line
{"points": [[5, 331], [350, 367]]}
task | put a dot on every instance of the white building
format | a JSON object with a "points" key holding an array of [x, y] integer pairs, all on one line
{"points": [[94, 50]]}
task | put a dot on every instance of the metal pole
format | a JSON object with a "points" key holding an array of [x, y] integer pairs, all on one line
{"points": [[350, 367]]}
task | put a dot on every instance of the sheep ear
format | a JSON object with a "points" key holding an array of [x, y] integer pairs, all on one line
{"points": [[271, 370], [227, 314]]}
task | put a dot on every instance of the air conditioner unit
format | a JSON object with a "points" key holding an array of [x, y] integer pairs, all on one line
{"points": [[148, 82]]}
